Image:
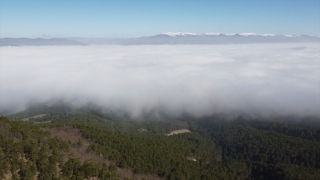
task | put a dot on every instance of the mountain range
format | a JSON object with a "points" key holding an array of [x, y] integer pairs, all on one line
{"points": [[39, 42], [171, 38]]}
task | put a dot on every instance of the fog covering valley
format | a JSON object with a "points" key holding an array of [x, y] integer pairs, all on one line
{"points": [[265, 79]]}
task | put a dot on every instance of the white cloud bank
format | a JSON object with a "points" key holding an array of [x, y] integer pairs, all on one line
{"points": [[266, 78]]}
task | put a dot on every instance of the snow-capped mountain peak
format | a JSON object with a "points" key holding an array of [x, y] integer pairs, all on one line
{"points": [[229, 34], [287, 35], [174, 34], [248, 34], [220, 38], [213, 34], [179, 34], [255, 34]]}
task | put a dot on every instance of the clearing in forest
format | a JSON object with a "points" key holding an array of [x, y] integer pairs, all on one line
{"points": [[36, 116], [178, 132]]}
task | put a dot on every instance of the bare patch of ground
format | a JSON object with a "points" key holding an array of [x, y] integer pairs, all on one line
{"points": [[36, 116], [78, 150], [142, 129], [43, 122], [178, 132], [7, 176], [191, 158], [73, 135]]}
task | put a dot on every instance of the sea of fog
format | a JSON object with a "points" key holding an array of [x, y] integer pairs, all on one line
{"points": [[281, 79]]}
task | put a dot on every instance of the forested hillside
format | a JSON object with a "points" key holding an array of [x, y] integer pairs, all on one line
{"points": [[217, 147], [27, 152]]}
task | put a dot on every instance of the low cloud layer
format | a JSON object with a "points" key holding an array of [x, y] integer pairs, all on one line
{"points": [[279, 79]]}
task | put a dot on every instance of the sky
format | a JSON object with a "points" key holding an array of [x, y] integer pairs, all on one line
{"points": [[129, 19], [271, 79]]}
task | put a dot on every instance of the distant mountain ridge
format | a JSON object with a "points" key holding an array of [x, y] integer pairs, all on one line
{"points": [[39, 42], [170, 38], [173, 34], [220, 38]]}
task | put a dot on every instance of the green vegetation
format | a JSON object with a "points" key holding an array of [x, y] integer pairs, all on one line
{"points": [[216, 149], [268, 153], [27, 152]]}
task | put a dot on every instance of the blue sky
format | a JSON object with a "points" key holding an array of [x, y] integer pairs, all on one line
{"points": [[138, 18]]}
